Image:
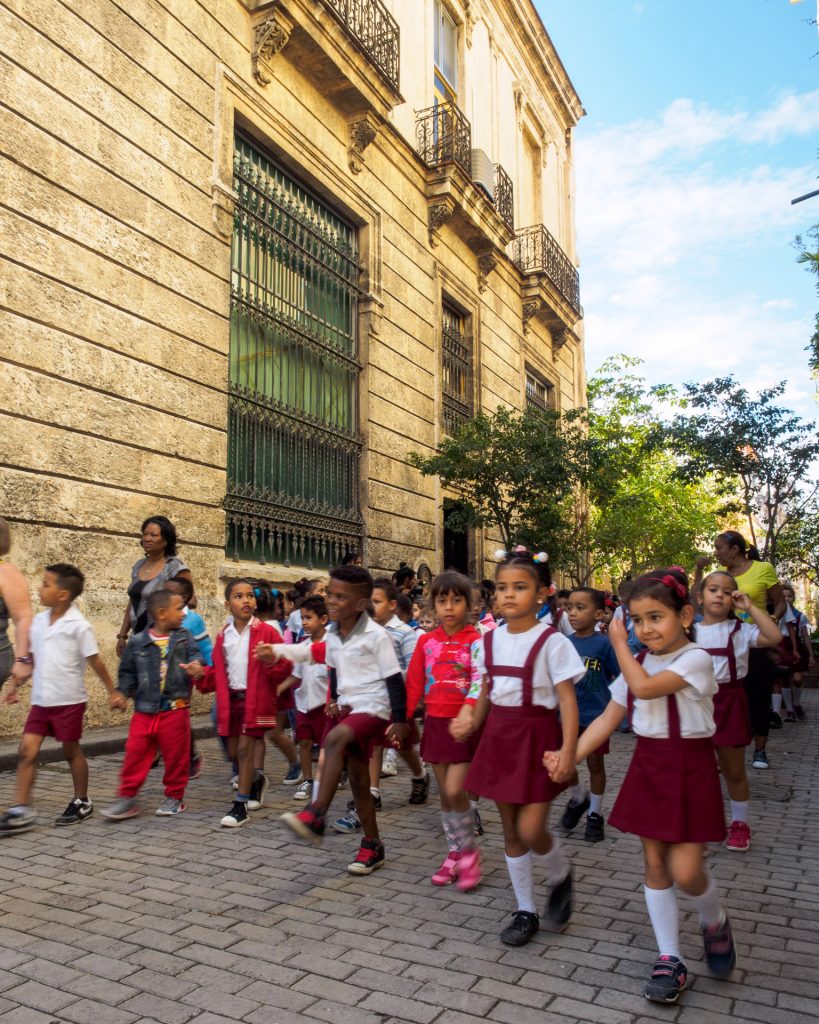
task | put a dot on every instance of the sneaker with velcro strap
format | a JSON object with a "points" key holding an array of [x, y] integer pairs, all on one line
{"points": [[669, 976], [720, 951]]}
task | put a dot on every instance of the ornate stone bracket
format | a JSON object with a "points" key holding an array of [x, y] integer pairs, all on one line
{"points": [[269, 37], [363, 130], [223, 206], [487, 261], [530, 309], [473, 15], [561, 337], [439, 213]]}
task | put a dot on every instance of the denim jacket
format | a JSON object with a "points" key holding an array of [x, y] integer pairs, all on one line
{"points": [[139, 675]]}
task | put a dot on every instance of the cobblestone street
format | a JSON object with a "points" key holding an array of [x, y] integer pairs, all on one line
{"points": [[177, 920]]}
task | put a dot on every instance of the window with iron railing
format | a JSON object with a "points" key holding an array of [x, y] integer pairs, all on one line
{"points": [[293, 444], [540, 394], [457, 370]]}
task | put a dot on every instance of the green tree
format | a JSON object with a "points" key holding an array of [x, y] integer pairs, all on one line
{"points": [[755, 448], [808, 249], [512, 471], [798, 546]]}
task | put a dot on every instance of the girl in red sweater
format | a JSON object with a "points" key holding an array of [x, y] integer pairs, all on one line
{"points": [[441, 670]]}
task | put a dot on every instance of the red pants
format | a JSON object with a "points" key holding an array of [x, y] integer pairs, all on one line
{"points": [[170, 733]]}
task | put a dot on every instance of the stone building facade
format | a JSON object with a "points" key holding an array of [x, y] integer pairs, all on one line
{"points": [[256, 252]]}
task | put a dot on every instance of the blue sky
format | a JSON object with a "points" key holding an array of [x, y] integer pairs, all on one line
{"points": [[703, 124]]}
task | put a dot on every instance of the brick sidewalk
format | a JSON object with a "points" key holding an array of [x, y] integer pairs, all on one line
{"points": [[177, 920]]}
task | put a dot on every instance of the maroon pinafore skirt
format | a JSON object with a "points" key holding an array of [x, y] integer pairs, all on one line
{"points": [[731, 714], [438, 746]]}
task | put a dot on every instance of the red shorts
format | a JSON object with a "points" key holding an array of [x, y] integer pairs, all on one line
{"points": [[63, 722], [311, 725], [604, 746], [236, 725], [368, 733]]}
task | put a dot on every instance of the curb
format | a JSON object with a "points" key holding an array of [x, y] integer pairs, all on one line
{"points": [[94, 744]]}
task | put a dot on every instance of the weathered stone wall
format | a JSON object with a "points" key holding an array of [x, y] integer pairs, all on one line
{"points": [[115, 281]]}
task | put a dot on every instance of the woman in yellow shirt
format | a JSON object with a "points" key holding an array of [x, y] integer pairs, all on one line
{"points": [[759, 581]]}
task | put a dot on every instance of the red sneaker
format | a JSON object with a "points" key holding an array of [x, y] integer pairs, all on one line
{"points": [[469, 870], [448, 871], [306, 824], [369, 857], [739, 836]]}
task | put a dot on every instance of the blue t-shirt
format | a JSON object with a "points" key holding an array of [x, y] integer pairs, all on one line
{"points": [[195, 625], [601, 670]]}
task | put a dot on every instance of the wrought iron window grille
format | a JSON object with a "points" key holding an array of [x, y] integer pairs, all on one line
{"points": [[374, 30], [293, 447], [504, 197], [457, 371], [444, 136], [539, 394], [536, 250]]}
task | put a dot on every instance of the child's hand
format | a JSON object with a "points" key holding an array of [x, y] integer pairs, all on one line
{"points": [[741, 601], [618, 634], [564, 769], [265, 652], [462, 727], [551, 761], [194, 669], [10, 694], [116, 701], [332, 709], [396, 734]]}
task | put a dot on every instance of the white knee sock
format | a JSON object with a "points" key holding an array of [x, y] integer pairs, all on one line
{"points": [[739, 810], [787, 696], [708, 905], [523, 883], [554, 863], [665, 919], [776, 702], [596, 803], [315, 793]]}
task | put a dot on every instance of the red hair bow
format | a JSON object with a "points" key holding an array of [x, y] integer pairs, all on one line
{"points": [[679, 588]]}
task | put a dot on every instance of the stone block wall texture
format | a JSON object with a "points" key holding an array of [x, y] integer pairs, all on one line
{"points": [[118, 119]]}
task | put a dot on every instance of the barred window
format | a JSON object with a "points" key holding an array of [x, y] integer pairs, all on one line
{"points": [[457, 369], [293, 444], [540, 394]]}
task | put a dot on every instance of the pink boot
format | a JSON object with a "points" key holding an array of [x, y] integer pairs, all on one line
{"points": [[469, 869], [448, 871]]}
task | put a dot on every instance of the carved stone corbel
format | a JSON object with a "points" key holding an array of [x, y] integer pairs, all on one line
{"points": [[223, 208], [363, 130], [472, 16], [269, 38], [530, 310], [559, 338], [439, 213], [487, 261]]}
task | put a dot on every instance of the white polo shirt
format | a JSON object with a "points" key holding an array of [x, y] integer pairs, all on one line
{"points": [[695, 701], [363, 660], [236, 646], [314, 688], [60, 651]]}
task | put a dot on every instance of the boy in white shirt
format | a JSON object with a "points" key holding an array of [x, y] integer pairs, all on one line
{"points": [[62, 642]]}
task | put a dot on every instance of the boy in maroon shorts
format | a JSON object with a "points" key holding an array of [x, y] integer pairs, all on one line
{"points": [[367, 689], [62, 643]]}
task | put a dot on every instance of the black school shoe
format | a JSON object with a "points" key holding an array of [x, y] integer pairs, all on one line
{"points": [[669, 976], [520, 929], [77, 810], [720, 951], [595, 832], [573, 813], [559, 907]]}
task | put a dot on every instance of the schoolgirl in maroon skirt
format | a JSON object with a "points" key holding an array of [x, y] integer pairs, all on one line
{"points": [[729, 640], [441, 671], [671, 795], [528, 669]]}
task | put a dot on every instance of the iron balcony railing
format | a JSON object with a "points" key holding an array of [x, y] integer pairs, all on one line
{"points": [[374, 30], [536, 250], [444, 136], [504, 197]]}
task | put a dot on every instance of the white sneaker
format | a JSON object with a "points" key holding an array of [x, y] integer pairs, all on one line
{"points": [[305, 791], [169, 807], [389, 766]]}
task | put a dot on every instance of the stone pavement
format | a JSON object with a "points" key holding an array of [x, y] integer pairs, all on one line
{"points": [[177, 920]]}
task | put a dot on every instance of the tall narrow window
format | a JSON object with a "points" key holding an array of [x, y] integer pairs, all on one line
{"points": [[457, 370], [540, 394], [293, 446], [446, 56]]}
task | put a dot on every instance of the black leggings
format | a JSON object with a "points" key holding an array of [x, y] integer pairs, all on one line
{"points": [[759, 687]]}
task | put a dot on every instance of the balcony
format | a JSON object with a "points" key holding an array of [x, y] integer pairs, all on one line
{"points": [[551, 288], [374, 31], [478, 203], [349, 49]]}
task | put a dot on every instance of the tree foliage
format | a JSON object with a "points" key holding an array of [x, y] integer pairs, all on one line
{"points": [[808, 249], [754, 447]]}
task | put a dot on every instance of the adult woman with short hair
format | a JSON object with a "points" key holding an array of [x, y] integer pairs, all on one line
{"points": [[159, 564], [15, 604]]}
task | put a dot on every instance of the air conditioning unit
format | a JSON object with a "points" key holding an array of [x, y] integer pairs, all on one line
{"points": [[483, 172]]}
